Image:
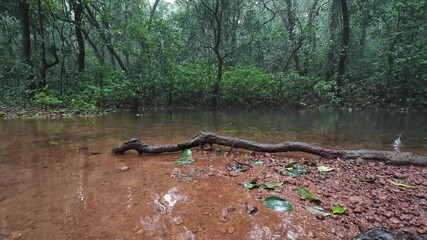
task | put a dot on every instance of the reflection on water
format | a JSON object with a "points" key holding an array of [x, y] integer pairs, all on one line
{"points": [[55, 185], [354, 129]]}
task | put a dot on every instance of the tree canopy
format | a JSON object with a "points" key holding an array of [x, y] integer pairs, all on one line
{"points": [[141, 53]]}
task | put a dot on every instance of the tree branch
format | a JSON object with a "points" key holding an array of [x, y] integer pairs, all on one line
{"points": [[201, 138]]}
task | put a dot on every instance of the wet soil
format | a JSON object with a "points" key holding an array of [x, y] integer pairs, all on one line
{"points": [[101, 196]]}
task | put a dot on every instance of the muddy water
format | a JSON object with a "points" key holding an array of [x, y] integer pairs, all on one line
{"points": [[58, 179]]}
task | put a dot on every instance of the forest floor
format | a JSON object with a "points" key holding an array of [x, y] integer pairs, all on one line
{"points": [[371, 193], [36, 112]]}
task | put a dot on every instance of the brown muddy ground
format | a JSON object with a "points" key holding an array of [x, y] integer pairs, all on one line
{"points": [[85, 192]]}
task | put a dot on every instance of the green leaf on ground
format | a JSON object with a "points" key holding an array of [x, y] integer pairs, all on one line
{"points": [[398, 184], [257, 163], [294, 172], [307, 195], [337, 209], [271, 185], [324, 169], [249, 185], [317, 210], [220, 154], [277, 204], [184, 161], [53, 143], [186, 152], [291, 164]]}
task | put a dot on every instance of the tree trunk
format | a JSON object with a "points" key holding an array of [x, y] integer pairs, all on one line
{"points": [[104, 37], [202, 138], [344, 46], [289, 22], [216, 91], [333, 23], [78, 10], [24, 12], [44, 65], [216, 24], [42, 68]]}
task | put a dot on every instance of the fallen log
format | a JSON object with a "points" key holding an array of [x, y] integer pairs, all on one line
{"points": [[202, 138]]}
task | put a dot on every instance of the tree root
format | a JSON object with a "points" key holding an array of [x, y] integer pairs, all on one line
{"points": [[202, 138]]}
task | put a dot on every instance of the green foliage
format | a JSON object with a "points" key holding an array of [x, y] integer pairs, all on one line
{"points": [[192, 85], [47, 98], [245, 85], [43, 98], [296, 90], [325, 91], [101, 86], [169, 56]]}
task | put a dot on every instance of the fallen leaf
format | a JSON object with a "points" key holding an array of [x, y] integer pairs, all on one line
{"points": [[324, 169], [317, 210], [277, 204], [184, 161], [271, 185], [307, 195], [337, 209], [294, 171], [249, 185], [398, 184], [186, 152]]}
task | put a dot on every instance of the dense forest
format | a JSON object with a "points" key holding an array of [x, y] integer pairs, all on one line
{"points": [[91, 54]]}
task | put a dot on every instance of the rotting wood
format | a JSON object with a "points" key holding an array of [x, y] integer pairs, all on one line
{"points": [[202, 138]]}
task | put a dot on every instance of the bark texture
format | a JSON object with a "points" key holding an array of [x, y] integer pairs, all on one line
{"points": [[201, 138]]}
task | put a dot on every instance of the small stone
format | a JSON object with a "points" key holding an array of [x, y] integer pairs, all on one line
{"points": [[355, 199], [123, 168], [231, 209], [16, 235], [251, 209], [388, 214], [370, 219], [310, 235], [358, 209], [394, 220], [140, 231], [230, 230], [223, 216], [258, 197], [223, 231], [422, 230], [405, 217]]}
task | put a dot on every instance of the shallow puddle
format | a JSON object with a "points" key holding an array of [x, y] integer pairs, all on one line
{"points": [[58, 180]]}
